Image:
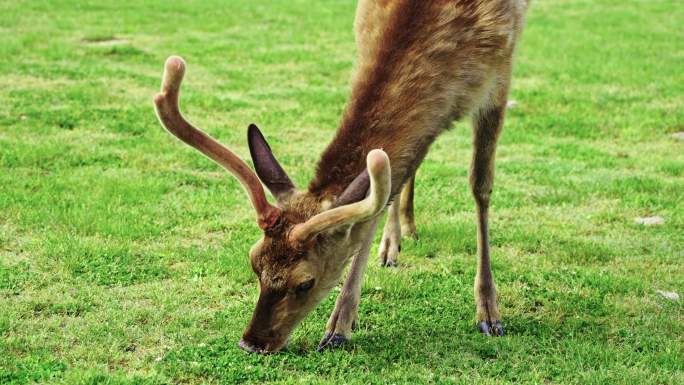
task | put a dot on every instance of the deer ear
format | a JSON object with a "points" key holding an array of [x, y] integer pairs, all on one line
{"points": [[267, 167], [356, 190]]}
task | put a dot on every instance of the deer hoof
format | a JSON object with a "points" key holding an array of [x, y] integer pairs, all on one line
{"points": [[331, 341], [389, 250], [388, 263], [491, 328]]}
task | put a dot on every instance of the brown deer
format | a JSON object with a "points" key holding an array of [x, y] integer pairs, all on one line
{"points": [[421, 65]]}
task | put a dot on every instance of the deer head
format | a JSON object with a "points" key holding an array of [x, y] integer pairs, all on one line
{"points": [[306, 239]]}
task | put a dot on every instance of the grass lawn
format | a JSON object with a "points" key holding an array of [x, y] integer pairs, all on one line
{"points": [[123, 254]]}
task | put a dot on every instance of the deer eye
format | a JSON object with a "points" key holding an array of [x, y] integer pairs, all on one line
{"points": [[305, 286]]}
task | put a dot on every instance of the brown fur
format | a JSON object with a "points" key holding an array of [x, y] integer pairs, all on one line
{"points": [[414, 77]]}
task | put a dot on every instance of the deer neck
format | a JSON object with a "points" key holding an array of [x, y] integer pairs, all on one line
{"points": [[381, 113]]}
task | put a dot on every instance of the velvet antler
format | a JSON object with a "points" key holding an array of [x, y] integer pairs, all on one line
{"points": [[166, 103]]}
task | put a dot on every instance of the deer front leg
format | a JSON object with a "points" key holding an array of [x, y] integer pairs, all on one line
{"points": [[345, 316], [487, 125]]}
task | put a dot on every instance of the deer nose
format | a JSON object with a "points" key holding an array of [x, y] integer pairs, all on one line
{"points": [[256, 347], [250, 348]]}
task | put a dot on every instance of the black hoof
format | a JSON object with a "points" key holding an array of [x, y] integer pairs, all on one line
{"points": [[491, 328], [331, 341], [388, 263]]}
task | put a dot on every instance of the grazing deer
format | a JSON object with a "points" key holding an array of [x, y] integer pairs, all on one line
{"points": [[421, 65]]}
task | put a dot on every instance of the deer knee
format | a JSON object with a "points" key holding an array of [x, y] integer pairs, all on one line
{"points": [[482, 191]]}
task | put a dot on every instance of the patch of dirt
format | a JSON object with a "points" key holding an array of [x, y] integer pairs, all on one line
{"points": [[105, 42], [202, 239], [11, 245]]}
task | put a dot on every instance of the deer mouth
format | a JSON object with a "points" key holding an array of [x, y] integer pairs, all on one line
{"points": [[244, 345], [255, 348]]}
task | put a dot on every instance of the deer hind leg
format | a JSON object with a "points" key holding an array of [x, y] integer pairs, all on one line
{"points": [[345, 316], [400, 222], [487, 122], [390, 245], [406, 216]]}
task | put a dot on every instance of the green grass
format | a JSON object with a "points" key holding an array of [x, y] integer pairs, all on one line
{"points": [[123, 254]]}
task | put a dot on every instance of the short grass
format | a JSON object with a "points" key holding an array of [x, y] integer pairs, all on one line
{"points": [[123, 253]]}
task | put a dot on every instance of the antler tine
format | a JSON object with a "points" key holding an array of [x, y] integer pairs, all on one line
{"points": [[166, 103], [380, 186]]}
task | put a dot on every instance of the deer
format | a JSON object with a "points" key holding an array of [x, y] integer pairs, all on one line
{"points": [[421, 65]]}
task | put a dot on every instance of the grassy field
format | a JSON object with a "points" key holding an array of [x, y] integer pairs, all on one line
{"points": [[123, 254]]}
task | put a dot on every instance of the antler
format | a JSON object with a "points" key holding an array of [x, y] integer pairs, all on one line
{"points": [[166, 103], [380, 186]]}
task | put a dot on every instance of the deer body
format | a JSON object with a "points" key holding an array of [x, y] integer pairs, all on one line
{"points": [[421, 65]]}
